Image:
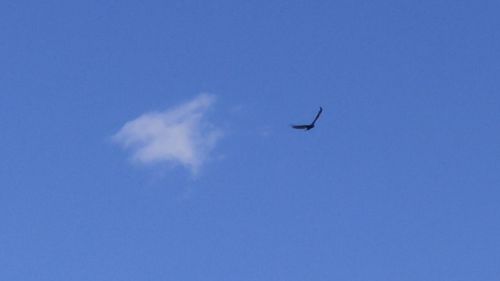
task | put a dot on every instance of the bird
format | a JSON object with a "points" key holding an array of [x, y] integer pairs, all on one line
{"points": [[309, 126]]}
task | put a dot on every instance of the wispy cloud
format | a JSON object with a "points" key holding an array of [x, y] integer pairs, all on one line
{"points": [[179, 135]]}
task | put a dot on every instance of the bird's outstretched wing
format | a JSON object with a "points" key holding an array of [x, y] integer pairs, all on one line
{"points": [[317, 115], [300, 126]]}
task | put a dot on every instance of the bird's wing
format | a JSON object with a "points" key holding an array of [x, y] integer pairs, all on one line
{"points": [[317, 115], [300, 126]]}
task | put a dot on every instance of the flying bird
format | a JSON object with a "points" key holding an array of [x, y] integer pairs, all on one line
{"points": [[309, 126]]}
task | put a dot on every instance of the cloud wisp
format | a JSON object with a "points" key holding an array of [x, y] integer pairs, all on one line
{"points": [[179, 136]]}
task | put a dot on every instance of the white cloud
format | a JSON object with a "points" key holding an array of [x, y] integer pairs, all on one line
{"points": [[180, 135]]}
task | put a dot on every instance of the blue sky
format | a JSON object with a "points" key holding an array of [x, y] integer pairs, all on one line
{"points": [[398, 181]]}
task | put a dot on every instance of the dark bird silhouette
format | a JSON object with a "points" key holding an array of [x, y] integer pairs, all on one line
{"points": [[309, 126]]}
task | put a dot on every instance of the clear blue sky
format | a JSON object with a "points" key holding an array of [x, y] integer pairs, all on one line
{"points": [[399, 181]]}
